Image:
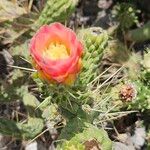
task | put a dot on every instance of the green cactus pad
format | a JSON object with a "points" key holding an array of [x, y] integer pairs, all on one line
{"points": [[94, 40], [89, 137]]}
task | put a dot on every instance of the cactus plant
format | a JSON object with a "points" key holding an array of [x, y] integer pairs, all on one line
{"points": [[125, 14], [133, 91], [95, 40], [56, 10]]}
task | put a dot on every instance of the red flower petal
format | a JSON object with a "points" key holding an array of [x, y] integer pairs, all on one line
{"points": [[56, 69]]}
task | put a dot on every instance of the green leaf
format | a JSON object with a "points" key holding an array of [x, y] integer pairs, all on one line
{"points": [[9, 127]]}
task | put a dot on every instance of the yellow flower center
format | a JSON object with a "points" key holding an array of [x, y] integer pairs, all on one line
{"points": [[56, 51]]}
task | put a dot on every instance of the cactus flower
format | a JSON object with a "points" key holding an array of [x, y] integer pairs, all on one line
{"points": [[56, 53]]}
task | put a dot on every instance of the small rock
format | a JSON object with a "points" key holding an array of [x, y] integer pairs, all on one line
{"points": [[2, 142], [35, 146], [52, 147], [121, 146], [32, 146], [139, 137], [105, 4]]}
